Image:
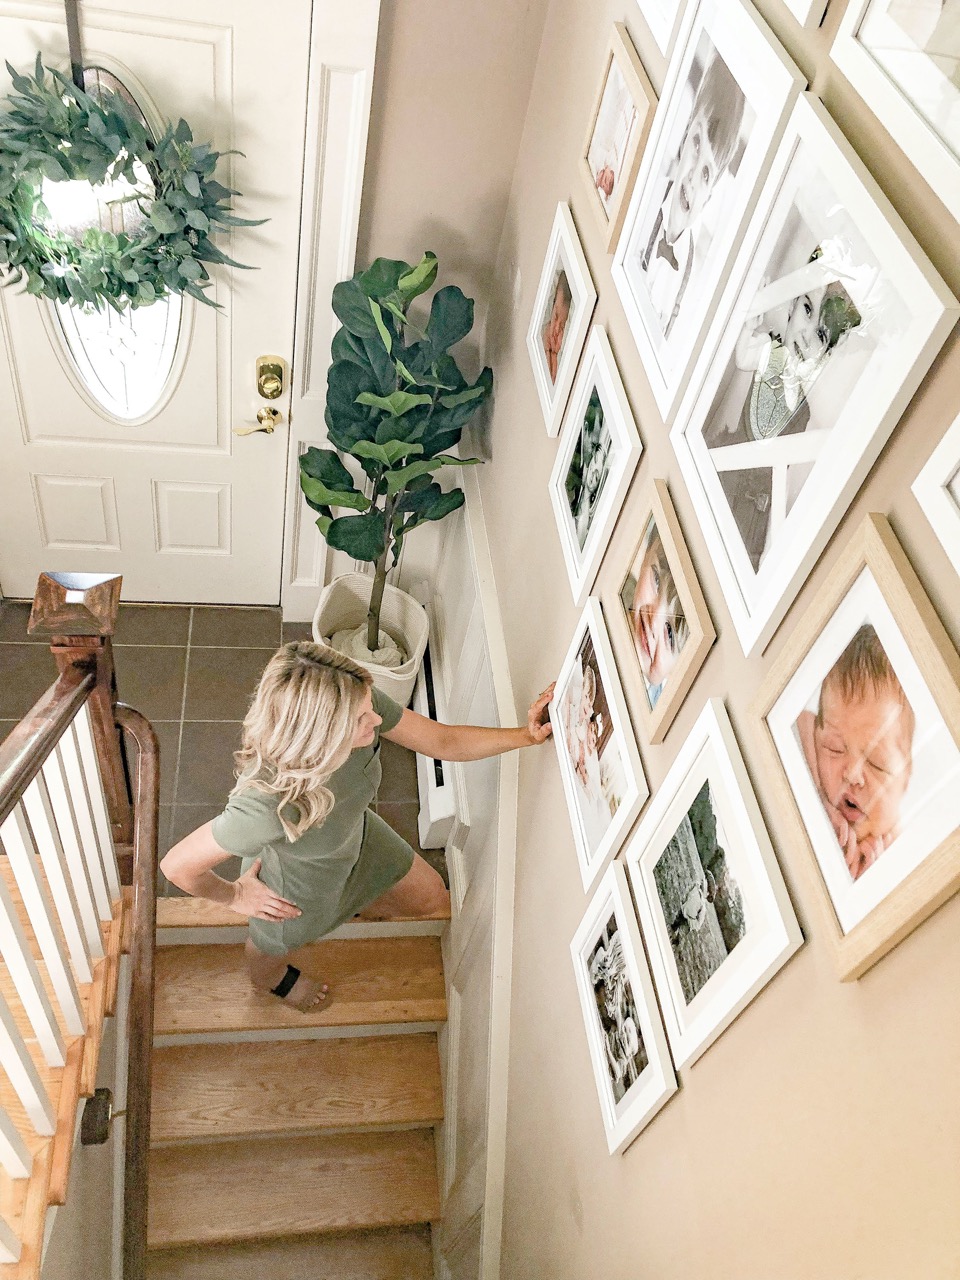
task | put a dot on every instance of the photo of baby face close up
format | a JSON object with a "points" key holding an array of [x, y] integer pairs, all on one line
{"points": [[658, 625]]}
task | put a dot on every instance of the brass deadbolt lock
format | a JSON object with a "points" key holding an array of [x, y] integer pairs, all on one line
{"points": [[271, 376]]}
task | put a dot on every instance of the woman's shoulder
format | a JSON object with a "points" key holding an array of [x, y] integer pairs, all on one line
{"points": [[250, 813]]}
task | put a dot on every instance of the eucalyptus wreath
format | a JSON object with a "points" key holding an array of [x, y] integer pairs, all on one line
{"points": [[51, 129]]}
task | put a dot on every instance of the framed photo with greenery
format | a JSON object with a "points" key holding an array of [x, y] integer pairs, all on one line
{"points": [[713, 907], [628, 1047], [598, 454], [860, 719], [658, 613], [600, 763], [832, 318], [561, 316], [937, 489], [619, 125]]}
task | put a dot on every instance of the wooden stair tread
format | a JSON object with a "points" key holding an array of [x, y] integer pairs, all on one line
{"points": [[398, 1253], [281, 1187], [376, 980], [198, 913], [227, 1090]]}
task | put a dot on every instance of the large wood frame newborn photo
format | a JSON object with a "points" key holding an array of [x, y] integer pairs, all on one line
{"points": [[859, 719]]}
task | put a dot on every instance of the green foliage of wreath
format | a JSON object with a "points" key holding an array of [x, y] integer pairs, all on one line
{"points": [[51, 129]]}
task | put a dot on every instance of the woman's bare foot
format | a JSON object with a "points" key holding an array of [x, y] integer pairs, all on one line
{"points": [[305, 994], [267, 973]]}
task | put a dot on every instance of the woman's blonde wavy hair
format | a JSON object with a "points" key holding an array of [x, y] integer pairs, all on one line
{"points": [[299, 730]]}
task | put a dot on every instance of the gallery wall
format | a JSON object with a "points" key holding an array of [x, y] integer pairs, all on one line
{"points": [[819, 1136]]}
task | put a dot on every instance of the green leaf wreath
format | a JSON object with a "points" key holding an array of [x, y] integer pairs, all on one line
{"points": [[52, 129]]}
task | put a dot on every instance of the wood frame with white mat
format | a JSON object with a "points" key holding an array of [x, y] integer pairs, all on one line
{"points": [[919, 650], [620, 54], [655, 509], [933, 489]]}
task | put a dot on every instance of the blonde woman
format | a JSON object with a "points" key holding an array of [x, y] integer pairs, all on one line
{"points": [[314, 853]]}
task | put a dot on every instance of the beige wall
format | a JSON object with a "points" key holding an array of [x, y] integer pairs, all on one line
{"points": [[819, 1138]]}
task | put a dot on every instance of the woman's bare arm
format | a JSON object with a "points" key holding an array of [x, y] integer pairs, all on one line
{"points": [[468, 741], [189, 865]]}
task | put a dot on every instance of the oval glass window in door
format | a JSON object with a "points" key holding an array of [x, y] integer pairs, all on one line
{"points": [[123, 360]]}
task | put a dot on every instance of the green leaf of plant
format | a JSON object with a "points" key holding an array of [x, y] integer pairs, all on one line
{"points": [[323, 524], [352, 308], [191, 269], [197, 219], [451, 318], [326, 466], [317, 492], [385, 335], [164, 219], [419, 280], [463, 397], [346, 346], [191, 184], [397, 480], [382, 277], [363, 537], [396, 405], [389, 453]]}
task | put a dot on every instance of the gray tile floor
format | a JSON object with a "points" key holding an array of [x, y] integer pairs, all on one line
{"points": [[192, 671]]}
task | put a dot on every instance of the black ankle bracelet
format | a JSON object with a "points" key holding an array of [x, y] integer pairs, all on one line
{"points": [[286, 983]]}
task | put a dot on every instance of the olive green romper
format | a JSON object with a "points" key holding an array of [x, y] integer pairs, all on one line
{"points": [[332, 870]]}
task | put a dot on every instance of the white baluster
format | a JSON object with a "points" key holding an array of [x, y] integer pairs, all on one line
{"points": [[21, 850], [14, 1156], [76, 785], [9, 1244], [68, 826], [36, 801], [23, 1075], [26, 978], [98, 801]]}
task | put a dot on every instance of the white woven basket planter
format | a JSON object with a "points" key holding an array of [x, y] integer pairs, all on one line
{"points": [[344, 604]]}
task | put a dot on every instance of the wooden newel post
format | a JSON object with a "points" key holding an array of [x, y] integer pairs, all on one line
{"points": [[78, 611]]}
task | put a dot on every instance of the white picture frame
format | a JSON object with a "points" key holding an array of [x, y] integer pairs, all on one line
{"points": [[628, 1046], [662, 18], [554, 348], [907, 88], [603, 780], [809, 13], [728, 93], [731, 924], [826, 267], [599, 451], [937, 490]]}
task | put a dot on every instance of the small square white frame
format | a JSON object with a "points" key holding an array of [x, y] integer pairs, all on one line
{"points": [[564, 249], [711, 753], [885, 389], [932, 490], [636, 789], [657, 1083], [598, 370], [770, 82]]}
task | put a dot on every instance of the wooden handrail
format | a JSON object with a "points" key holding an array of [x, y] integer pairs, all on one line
{"points": [[30, 742], [146, 810]]}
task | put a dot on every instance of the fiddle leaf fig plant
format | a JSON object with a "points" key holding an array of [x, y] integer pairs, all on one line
{"points": [[396, 403]]}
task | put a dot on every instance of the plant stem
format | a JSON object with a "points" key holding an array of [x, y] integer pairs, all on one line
{"points": [[376, 599]]}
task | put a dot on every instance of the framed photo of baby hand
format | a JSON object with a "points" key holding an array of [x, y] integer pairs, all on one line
{"points": [[658, 613], [628, 1047], [599, 760], [619, 125], [860, 718], [598, 454], [562, 309]]}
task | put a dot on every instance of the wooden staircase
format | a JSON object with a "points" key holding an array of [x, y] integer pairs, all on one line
{"points": [[287, 1145]]}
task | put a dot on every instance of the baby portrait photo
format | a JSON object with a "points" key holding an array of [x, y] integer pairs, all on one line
{"points": [[597, 752], [613, 133], [651, 601], [624, 1050], [589, 466], [553, 326]]}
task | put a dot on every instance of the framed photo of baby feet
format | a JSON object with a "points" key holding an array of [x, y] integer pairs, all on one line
{"points": [[831, 320], [598, 454], [860, 715], [713, 907], [599, 760], [628, 1047]]}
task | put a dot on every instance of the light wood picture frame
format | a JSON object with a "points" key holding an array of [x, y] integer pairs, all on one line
{"points": [[937, 489], [904, 66], [859, 719], [628, 1046], [659, 621], [600, 765], [725, 102], [714, 910], [832, 317], [598, 454], [561, 315], [619, 126]]}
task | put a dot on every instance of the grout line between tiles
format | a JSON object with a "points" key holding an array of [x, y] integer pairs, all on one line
{"points": [[183, 708]]}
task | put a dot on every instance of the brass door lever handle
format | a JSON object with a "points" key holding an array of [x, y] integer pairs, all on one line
{"points": [[269, 419]]}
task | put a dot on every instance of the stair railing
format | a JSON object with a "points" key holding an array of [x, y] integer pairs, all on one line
{"points": [[64, 808]]}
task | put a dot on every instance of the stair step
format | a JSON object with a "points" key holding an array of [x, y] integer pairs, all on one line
{"points": [[394, 1254], [204, 1091], [246, 1190], [372, 981], [198, 913]]}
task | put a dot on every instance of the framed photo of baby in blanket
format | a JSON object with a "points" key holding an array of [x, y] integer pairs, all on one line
{"points": [[598, 454], [713, 907], [832, 318], [599, 760], [628, 1047], [861, 715]]}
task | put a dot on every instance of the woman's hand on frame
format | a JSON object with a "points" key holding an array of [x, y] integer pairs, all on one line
{"points": [[251, 897], [538, 722]]}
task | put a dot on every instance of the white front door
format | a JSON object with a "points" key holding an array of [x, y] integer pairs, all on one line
{"points": [[174, 500]]}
